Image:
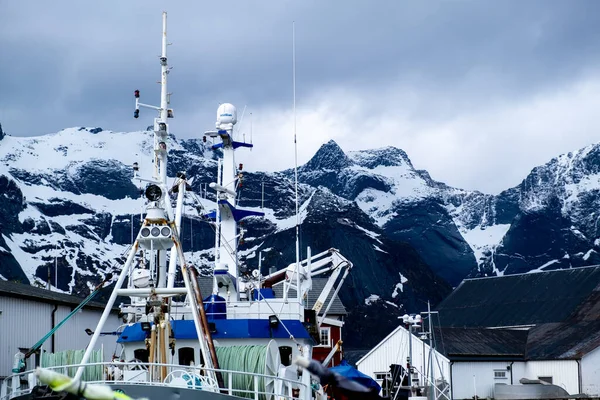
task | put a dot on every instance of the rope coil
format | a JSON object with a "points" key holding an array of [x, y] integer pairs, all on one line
{"points": [[244, 359]]}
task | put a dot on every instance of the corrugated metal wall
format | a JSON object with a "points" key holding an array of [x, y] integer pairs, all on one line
{"points": [[395, 350], [72, 333], [470, 378], [564, 373], [24, 322], [590, 373]]}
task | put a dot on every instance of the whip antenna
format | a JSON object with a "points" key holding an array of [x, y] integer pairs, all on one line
{"points": [[296, 159]]}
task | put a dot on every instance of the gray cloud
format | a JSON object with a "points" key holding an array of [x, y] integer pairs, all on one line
{"points": [[425, 64]]}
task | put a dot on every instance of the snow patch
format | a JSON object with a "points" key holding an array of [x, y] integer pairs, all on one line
{"points": [[541, 269], [372, 299], [378, 249], [483, 239], [399, 286], [587, 255]]}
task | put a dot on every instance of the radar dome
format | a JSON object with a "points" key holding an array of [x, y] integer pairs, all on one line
{"points": [[226, 114]]}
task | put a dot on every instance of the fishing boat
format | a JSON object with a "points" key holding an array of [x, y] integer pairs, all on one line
{"points": [[177, 342]]}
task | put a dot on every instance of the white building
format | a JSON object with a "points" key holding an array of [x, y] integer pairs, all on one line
{"points": [[542, 326], [394, 349], [28, 313]]}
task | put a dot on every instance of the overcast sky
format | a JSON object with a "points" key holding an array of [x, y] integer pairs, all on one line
{"points": [[476, 92]]}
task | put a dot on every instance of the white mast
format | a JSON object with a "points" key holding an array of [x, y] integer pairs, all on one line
{"points": [[159, 233]]}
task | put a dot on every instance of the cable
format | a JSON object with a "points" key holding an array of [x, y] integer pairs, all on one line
{"points": [[250, 359]]}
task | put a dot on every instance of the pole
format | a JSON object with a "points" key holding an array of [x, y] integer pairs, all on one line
{"points": [[178, 212], [203, 319], [296, 162], [56, 268], [410, 375], [107, 311], [430, 368]]}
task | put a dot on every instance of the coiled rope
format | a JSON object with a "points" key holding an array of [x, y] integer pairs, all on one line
{"points": [[245, 359]]}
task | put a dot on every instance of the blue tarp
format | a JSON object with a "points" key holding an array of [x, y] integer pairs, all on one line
{"points": [[349, 372]]}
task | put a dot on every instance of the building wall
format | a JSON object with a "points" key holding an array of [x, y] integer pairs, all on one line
{"points": [[590, 373], [24, 322], [395, 350], [477, 378], [564, 373], [321, 352]]}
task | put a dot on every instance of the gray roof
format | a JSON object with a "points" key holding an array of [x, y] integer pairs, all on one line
{"points": [[562, 308], [24, 291], [458, 343], [337, 308], [514, 300]]}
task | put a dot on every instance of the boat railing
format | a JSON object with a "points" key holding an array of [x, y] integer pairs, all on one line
{"points": [[438, 393], [253, 309], [257, 386]]}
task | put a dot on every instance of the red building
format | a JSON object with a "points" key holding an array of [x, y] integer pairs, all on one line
{"points": [[331, 329]]}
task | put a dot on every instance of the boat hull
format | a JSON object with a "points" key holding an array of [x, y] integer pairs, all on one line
{"points": [[138, 391]]}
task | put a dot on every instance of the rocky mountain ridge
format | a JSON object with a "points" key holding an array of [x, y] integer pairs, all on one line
{"points": [[70, 205]]}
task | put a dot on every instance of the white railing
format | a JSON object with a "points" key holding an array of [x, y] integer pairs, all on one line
{"points": [[438, 393], [253, 309], [127, 373]]}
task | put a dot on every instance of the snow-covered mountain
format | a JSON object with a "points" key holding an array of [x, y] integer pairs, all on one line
{"points": [[549, 221], [70, 204]]}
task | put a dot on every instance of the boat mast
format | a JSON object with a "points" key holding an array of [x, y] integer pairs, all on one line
{"points": [[159, 233], [227, 214]]}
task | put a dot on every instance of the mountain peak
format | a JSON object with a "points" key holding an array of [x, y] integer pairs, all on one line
{"points": [[329, 157], [385, 156]]}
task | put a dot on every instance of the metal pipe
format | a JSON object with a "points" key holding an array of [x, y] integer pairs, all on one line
{"points": [[107, 310], [335, 293], [150, 291], [178, 212], [194, 307], [53, 320], [579, 382], [211, 345], [451, 384]]}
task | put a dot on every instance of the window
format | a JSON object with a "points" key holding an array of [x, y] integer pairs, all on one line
{"points": [[186, 356], [547, 379], [285, 353], [141, 354], [500, 374], [325, 336], [379, 376]]}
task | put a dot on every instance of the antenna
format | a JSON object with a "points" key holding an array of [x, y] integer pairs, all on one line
{"points": [[296, 160], [250, 129], [241, 120]]}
